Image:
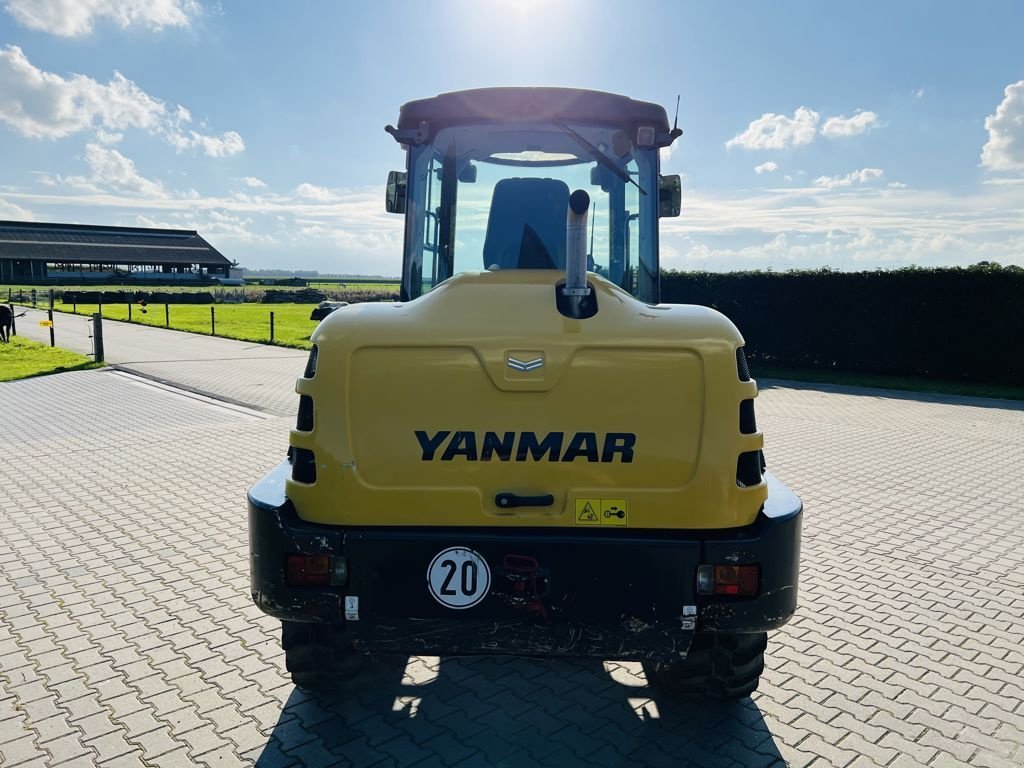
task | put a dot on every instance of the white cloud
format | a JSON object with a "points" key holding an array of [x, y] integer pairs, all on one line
{"points": [[107, 137], [918, 94], [857, 249], [862, 176], [896, 185], [842, 127], [13, 212], [1004, 150], [75, 18], [771, 131], [112, 169], [990, 213], [866, 226], [45, 105], [253, 183], [768, 167], [313, 192], [1004, 181], [384, 243], [228, 143]]}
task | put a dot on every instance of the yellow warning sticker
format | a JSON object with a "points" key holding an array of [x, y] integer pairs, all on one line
{"points": [[588, 511], [45, 323], [614, 512], [602, 512]]}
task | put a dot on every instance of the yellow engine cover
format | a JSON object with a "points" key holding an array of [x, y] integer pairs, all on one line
{"points": [[426, 413]]}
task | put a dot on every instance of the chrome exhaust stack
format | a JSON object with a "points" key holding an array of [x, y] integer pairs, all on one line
{"points": [[576, 291]]}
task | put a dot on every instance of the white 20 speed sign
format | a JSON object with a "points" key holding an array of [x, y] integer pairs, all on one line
{"points": [[458, 578]]}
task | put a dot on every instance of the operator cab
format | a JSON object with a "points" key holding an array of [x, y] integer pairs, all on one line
{"points": [[489, 175]]}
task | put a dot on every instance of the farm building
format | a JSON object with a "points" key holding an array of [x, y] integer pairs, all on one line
{"points": [[47, 253]]}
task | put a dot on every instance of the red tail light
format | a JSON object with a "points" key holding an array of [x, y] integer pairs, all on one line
{"points": [[735, 580], [308, 569], [316, 570]]}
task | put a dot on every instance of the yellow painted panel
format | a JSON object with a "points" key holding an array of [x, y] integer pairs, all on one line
{"points": [[426, 410]]}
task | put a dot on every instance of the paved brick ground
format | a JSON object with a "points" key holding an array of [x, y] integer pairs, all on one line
{"points": [[258, 375], [127, 635]]}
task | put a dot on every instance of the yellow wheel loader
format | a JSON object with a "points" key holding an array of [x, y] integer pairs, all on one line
{"points": [[528, 454]]}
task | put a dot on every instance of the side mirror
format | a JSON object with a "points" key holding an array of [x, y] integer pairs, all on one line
{"points": [[602, 177], [467, 174], [394, 199], [670, 196]]}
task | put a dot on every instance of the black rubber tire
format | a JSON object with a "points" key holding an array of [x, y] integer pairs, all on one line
{"points": [[319, 656], [720, 667]]}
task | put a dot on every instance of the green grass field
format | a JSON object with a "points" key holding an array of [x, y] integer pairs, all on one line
{"points": [[392, 285], [23, 358], [251, 289], [246, 322]]}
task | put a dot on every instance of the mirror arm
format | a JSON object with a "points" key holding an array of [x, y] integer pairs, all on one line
{"points": [[410, 136]]}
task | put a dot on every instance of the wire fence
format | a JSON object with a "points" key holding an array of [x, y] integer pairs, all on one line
{"points": [[52, 323], [282, 325]]}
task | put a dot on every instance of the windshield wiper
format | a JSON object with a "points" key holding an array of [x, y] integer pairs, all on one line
{"points": [[601, 157]]}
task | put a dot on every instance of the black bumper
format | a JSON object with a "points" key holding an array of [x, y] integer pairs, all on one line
{"points": [[623, 594]]}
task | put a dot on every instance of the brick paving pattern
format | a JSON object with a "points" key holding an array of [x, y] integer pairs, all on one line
{"points": [[127, 635]]}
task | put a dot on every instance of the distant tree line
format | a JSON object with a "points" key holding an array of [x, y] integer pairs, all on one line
{"points": [[306, 273]]}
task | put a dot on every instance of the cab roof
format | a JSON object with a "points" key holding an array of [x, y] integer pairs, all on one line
{"points": [[510, 105]]}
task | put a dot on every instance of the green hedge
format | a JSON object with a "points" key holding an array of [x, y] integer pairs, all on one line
{"points": [[959, 324], [130, 297]]}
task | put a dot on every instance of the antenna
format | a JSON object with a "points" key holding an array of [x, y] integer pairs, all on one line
{"points": [[675, 133]]}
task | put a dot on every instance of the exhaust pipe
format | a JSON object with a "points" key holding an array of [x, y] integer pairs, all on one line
{"points": [[576, 290]]}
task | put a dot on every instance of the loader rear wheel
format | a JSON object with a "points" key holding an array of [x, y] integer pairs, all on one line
{"points": [[319, 656], [720, 667]]}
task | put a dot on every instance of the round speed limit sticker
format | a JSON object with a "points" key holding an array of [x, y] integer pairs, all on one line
{"points": [[458, 578]]}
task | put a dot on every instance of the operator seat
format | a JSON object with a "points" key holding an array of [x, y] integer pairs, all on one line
{"points": [[526, 224]]}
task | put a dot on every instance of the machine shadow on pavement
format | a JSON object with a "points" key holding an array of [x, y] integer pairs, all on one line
{"points": [[880, 393], [503, 711]]}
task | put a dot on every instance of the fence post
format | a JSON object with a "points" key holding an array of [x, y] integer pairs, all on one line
{"points": [[213, 322], [167, 315], [271, 326], [74, 306], [49, 316], [14, 322], [129, 311], [97, 337]]}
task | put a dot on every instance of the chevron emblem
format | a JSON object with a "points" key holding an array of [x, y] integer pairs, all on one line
{"points": [[525, 365]]}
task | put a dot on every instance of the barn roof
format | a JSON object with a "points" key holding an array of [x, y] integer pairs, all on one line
{"points": [[86, 244]]}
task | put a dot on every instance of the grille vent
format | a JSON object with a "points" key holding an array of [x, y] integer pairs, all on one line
{"points": [[741, 364], [748, 421], [303, 466], [310, 371], [748, 469], [304, 422]]}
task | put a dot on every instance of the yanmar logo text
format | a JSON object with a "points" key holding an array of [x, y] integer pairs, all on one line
{"points": [[448, 445]]}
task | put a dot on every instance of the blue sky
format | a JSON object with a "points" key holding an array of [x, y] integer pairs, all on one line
{"points": [[853, 135]]}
